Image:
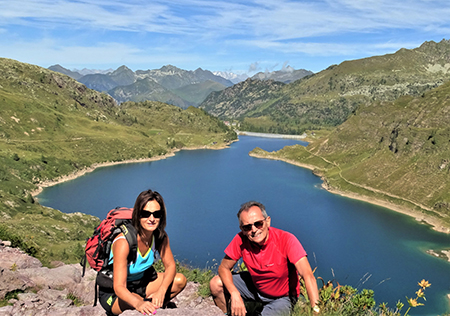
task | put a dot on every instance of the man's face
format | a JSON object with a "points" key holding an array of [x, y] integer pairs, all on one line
{"points": [[254, 226]]}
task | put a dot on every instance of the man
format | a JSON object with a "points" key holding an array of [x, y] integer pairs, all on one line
{"points": [[273, 258]]}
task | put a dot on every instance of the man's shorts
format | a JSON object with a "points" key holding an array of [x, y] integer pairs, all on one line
{"points": [[107, 297], [269, 306]]}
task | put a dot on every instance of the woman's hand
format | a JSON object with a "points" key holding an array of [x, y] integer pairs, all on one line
{"points": [[146, 307], [158, 297]]}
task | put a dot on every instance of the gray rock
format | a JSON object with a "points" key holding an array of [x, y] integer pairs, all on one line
{"points": [[15, 259], [13, 281], [85, 289], [55, 264], [57, 278], [55, 284], [6, 310]]}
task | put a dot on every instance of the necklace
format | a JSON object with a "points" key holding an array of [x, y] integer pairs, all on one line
{"points": [[145, 241]]}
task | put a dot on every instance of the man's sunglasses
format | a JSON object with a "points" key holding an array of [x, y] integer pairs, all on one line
{"points": [[147, 214], [248, 227]]}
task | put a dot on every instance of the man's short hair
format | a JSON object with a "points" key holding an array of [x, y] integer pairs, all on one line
{"points": [[246, 206]]}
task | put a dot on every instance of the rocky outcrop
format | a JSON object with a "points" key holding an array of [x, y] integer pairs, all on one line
{"points": [[61, 291]]}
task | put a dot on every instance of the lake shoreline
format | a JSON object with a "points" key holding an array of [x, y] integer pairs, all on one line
{"points": [[418, 216], [269, 135], [81, 172]]}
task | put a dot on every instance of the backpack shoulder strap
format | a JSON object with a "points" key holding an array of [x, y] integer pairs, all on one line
{"points": [[130, 234]]}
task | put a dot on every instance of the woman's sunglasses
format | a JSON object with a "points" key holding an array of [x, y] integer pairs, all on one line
{"points": [[248, 227], [147, 214]]}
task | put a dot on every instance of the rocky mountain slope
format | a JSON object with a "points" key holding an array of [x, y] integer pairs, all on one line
{"points": [[329, 97], [241, 99], [146, 89]]}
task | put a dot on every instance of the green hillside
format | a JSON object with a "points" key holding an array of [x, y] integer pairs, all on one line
{"points": [[196, 93], [329, 97], [52, 126], [146, 90], [393, 151]]}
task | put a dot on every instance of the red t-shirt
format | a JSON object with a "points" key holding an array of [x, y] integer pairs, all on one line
{"points": [[271, 266]]}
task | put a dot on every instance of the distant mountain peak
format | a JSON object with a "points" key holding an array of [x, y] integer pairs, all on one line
{"points": [[286, 74], [170, 68], [73, 74], [123, 67], [234, 78]]}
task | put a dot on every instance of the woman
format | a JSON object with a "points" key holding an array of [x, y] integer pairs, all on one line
{"points": [[137, 285]]}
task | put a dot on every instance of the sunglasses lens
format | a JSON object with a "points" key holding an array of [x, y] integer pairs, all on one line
{"points": [[157, 214], [257, 224], [147, 214]]}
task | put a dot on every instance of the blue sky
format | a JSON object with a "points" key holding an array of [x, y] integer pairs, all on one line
{"points": [[217, 35]]}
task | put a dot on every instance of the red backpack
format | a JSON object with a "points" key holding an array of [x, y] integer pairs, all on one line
{"points": [[98, 246]]}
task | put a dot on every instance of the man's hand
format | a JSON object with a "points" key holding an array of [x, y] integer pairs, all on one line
{"points": [[237, 305]]}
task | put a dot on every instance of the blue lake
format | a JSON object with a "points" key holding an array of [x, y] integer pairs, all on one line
{"points": [[353, 242]]}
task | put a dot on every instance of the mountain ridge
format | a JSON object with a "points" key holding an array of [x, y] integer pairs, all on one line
{"points": [[118, 83], [327, 98], [171, 78]]}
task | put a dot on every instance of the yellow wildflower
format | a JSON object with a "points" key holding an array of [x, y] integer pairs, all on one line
{"points": [[424, 284], [420, 293], [413, 302]]}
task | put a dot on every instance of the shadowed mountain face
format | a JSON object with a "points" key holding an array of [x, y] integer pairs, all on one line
{"points": [[330, 96]]}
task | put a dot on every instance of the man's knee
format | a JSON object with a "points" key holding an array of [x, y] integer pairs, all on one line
{"points": [[216, 285]]}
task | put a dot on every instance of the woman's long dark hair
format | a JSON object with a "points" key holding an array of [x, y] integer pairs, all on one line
{"points": [[141, 200]]}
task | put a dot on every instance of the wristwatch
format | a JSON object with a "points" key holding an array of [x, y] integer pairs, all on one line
{"points": [[316, 309]]}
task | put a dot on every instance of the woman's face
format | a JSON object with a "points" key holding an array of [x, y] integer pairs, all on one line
{"points": [[150, 216]]}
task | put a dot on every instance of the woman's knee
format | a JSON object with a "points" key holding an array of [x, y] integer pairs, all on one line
{"points": [[180, 281], [216, 285]]}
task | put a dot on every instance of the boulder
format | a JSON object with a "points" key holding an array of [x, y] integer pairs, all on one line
{"points": [[12, 281], [15, 259], [47, 291], [58, 278]]}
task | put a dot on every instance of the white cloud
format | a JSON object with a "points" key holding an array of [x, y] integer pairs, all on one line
{"points": [[213, 31], [254, 67], [281, 19]]}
